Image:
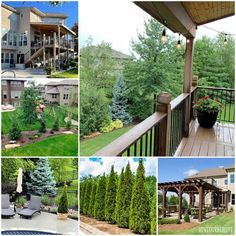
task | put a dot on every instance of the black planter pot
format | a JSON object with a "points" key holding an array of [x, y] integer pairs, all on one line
{"points": [[207, 120]]}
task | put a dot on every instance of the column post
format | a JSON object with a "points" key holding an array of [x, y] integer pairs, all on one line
{"points": [[44, 59], [200, 204], [180, 203], [164, 202]]}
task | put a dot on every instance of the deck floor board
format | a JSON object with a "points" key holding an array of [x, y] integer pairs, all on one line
{"points": [[218, 141]]}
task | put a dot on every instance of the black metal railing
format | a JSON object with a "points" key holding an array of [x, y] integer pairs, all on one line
{"points": [[225, 96]]}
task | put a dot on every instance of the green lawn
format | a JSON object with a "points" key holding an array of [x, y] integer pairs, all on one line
{"points": [[49, 115], [220, 225], [61, 145], [89, 146], [73, 73]]}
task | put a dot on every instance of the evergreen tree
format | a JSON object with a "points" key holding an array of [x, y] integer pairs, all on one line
{"points": [[110, 198], [119, 102], [119, 197], [140, 206], [63, 202], [87, 194], [14, 132], [55, 126], [82, 189], [99, 205], [92, 199], [41, 179], [153, 214], [42, 127]]}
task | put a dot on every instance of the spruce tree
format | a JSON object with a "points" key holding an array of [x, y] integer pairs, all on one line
{"points": [[126, 197], [87, 194], [14, 132], [41, 179], [110, 198], [119, 102], [92, 199], [153, 214], [140, 207], [99, 205], [119, 196]]}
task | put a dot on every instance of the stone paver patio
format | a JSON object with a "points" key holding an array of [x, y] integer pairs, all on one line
{"points": [[45, 222]]}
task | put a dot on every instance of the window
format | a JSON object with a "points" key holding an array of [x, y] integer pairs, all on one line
{"points": [[214, 182], [4, 94], [2, 57], [15, 84], [66, 96], [10, 38], [15, 94], [232, 178], [226, 182], [54, 96], [233, 199], [25, 39], [4, 39], [4, 82], [7, 59]]}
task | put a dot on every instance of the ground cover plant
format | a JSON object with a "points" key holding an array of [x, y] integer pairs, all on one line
{"points": [[125, 199]]}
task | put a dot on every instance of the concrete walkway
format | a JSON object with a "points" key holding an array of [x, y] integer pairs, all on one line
{"points": [[46, 222], [25, 73]]}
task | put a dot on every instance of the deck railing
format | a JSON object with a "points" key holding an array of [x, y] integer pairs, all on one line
{"points": [[161, 133], [225, 96]]}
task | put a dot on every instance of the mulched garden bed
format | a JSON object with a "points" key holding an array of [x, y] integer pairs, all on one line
{"points": [[176, 227], [25, 140]]}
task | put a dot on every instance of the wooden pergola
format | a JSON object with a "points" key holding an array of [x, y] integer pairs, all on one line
{"points": [[191, 187]]}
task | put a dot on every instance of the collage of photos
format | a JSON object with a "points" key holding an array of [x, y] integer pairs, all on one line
{"points": [[117, 117]]}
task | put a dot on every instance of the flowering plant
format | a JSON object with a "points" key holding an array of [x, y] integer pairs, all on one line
{"points": [[206, 104]]}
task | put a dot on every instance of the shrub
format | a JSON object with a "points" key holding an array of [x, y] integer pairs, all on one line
{"points": [[34, 136], [107, 127], [186, 217], [72, 201], [118, 124], [63, 202], [168, 221], [14, 132], [42, 127], [55, 126], [21, 200], [68, 125], [47, 201]]}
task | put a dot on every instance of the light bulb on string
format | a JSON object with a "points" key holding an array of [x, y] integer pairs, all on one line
{"points": [[179, 43], [163, 36]]}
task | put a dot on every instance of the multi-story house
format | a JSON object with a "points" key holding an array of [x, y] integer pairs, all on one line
{"points": [[11, 91], [64, 92], [222, 178], [31, 38]]}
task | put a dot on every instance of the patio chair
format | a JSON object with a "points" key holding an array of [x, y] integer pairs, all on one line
{"points": [[7, 212], [34, 207]]}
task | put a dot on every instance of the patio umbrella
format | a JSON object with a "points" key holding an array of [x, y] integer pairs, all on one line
{"points": [[19, 181]]}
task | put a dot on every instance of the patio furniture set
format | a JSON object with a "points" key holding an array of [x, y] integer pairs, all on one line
{"points": [[28, 212]]}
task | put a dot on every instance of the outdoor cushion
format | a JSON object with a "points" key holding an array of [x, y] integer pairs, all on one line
{"points": [[5, 201], [7, 212], [35, 203], [27, 212]]}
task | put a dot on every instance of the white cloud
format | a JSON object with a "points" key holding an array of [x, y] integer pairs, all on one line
{"points": [[190, 172], [88, 166]]}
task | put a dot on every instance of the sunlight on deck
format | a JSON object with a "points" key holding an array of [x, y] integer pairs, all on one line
{"points": [[218, 141]]}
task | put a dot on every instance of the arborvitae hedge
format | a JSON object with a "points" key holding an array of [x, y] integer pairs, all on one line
{"points": [[87, 194], [110, 198], [153, 214], [119, 196], [99, 205], [82, 188], [92, 199], [140, 206]]}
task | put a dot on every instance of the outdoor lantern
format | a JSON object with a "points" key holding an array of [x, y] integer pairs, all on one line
{"points": [[163, 36], [225, 41], [179, 43], [188, 40]]}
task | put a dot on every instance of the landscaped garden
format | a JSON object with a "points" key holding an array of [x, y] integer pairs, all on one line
{"points": [[51, 184], [123, 199], [37, 128]]}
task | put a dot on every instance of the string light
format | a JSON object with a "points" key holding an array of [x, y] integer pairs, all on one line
{"points": [[163, 36], [179, 43]]}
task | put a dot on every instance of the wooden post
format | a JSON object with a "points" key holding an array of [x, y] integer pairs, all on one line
{"points": [[163, 105], [59, 62], [188, 83], [54, 49], [200, 204], [44, 59], [164, 202], [180, 203], [218, 202], [67, 51]]}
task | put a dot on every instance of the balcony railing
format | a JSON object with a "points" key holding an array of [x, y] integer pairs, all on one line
{"points": [[161, 133]]}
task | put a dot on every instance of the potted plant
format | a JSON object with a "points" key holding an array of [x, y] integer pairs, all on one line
{"points": [[207, 111], [62, 211]]}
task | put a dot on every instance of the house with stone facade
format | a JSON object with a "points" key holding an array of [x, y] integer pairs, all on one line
{"points": [[32, 38]]}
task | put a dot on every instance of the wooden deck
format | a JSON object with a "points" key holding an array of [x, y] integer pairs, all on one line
{"points": [[218, 141]]}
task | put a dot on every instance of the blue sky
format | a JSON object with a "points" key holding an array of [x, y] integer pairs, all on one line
{"points": [[69, 8], [98, 165], [172, 169]]}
